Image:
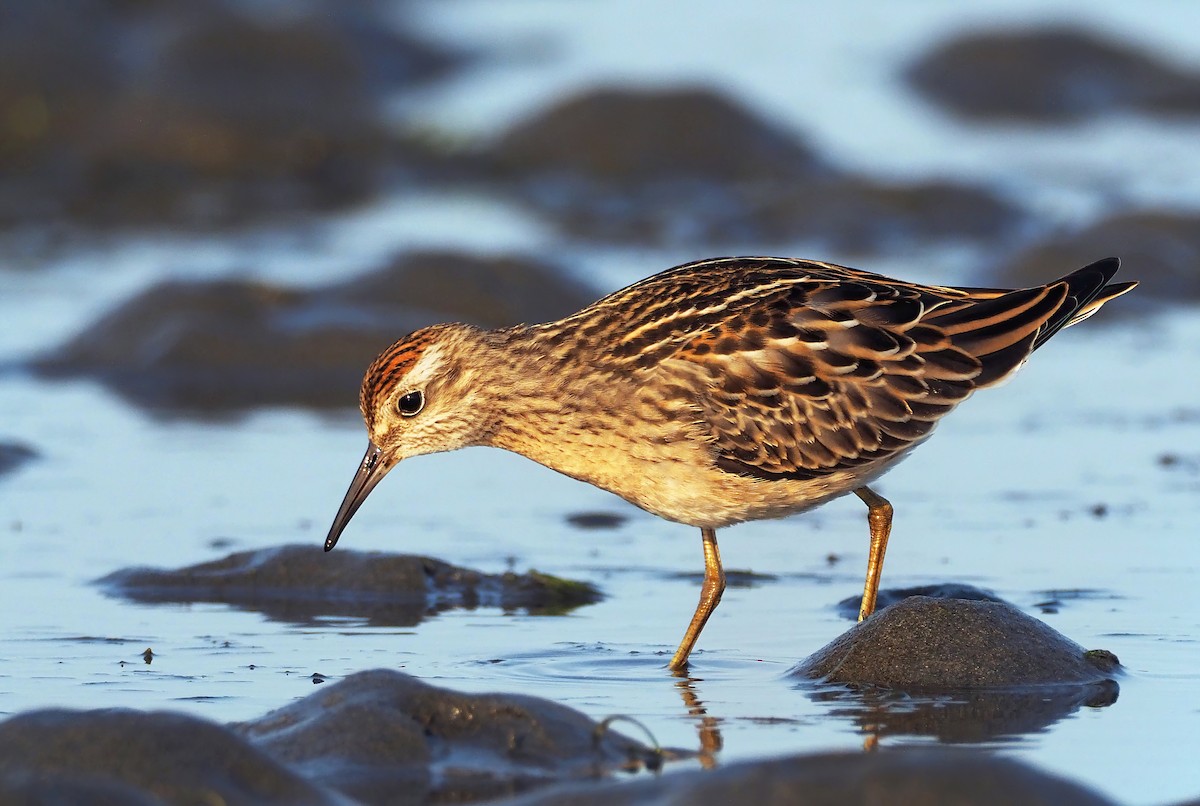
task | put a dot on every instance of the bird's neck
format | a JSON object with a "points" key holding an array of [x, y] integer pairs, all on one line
{"points": [[551, 402]]}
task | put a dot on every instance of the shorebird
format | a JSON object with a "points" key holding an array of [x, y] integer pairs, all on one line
{"points": [[721, 391]]}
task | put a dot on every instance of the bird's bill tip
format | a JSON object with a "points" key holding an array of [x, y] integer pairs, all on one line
{"points": [[370, 472]]}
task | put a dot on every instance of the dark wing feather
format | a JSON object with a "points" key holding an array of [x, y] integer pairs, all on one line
{"points": [[804, 368]]}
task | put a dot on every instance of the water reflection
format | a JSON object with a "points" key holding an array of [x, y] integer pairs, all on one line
{"points": [[960, 717], [707, 726]]}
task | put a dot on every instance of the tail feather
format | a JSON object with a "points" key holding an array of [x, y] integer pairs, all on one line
{"points": [[1087, 291], [1002, 328]]}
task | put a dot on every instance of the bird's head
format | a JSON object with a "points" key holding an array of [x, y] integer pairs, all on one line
{"points": [[419, 396]]}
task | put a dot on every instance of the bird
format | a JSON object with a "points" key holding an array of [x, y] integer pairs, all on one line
{"points": [[720, 391]]}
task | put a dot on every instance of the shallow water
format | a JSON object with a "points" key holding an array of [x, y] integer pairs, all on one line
{"points": [[1052, 488]]}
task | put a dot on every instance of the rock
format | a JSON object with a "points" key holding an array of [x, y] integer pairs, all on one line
{"points": [[384, 737], [301, 583], [380, 737], [856, 214], [200, 114], [961, 670], [619, 137], [1050, 75], [13, 455], [1158, 248], [219, 347], [64, 789], [907, 777], [493, 291], [155, 757], [927, 644], [848, 608], [689, 165], [597, 520]]}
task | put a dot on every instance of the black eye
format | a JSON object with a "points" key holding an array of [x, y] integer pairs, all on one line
{"points": [[410, 404]]}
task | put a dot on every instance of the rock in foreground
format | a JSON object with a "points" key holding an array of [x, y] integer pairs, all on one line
{"points": [[927, 644], [959, 670], [386, 737], [300, 583], [380, 737], [917, 777], [154, 757]]}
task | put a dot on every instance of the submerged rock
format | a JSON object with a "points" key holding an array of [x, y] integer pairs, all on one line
{"points": [[385, 737], [909, 777], [1051, 75], [13, 455], [961, 670], [1158, 248], [690, 165], [301, 583], [219, 347]]}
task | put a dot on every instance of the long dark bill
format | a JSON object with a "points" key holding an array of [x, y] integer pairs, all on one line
{"points": [[370, 473]]}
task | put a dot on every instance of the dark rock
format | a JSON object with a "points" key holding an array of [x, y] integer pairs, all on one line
{"points": [[960, 670], [199, 114], [494, 291], [597, 520], [734, 577], [162, 757], [225, 346], [13, 455], [64, 789], [1052, 601], [926, 644], [302, 583], [385, 737], [1050, 75], [381, 737], [625, 138], [687, 166], [909, 777], [855, 214], [1160, 249], [849, 607]]}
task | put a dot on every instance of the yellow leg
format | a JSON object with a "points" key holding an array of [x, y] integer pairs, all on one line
{"points": [[879, 516], [710, 597]]}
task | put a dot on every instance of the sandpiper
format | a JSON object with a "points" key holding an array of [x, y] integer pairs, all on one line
{"points": [[720, 391]]}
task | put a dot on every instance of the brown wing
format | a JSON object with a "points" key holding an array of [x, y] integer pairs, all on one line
{"points": [[838, 368]]}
